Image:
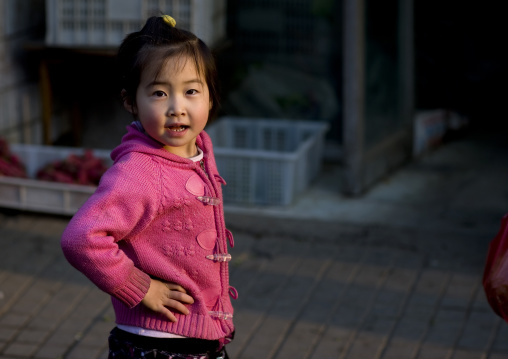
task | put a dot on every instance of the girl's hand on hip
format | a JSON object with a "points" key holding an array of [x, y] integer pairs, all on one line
{"points": [[161, 296]]}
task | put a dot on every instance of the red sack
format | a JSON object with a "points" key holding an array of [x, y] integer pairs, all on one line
{"points": [[495, 275]]}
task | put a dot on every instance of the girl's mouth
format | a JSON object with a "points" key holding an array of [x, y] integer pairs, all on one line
{"points": [[178, 128]]}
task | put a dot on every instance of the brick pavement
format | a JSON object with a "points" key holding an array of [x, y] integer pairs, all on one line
{"points": [[352, 296], [338, 299], [47, 310]]}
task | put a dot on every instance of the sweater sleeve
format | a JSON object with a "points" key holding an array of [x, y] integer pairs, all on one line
{"points": [[124, 203]]}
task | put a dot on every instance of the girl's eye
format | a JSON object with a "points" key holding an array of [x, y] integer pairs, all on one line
{"points": [[192, 92], [159, 94]]}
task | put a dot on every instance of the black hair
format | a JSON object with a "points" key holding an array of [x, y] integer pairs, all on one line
{"points": [[157, 41]]}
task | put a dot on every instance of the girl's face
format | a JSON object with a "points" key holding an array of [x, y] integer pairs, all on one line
{"points": [[173, 105]]}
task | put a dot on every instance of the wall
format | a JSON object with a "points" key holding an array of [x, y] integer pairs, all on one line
{"points": [[21, 21]]}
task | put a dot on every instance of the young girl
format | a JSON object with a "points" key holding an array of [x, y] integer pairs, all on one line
{"points": [[153, 234]]}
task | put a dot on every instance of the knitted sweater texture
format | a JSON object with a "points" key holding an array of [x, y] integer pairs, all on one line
{"points": [[157, 215]]}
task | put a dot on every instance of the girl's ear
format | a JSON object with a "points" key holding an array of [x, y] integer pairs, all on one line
{"points": [[128, 103]]}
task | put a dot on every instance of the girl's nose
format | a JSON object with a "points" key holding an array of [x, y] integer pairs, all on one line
{"points": [[176, 107]]}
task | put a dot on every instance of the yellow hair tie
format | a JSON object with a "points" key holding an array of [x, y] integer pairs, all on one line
{"points": [[169, 20]]}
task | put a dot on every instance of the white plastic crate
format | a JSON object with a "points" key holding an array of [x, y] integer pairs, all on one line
{"points": [[266, 161], [107, 22], [43, 196]]}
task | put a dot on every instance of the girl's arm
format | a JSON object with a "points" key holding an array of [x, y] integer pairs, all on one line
{"points": [[124, 203]]}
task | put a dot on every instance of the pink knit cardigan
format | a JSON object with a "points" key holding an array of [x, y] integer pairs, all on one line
{"points": [[155, 214]]}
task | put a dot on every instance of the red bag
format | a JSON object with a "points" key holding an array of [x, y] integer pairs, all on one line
{"points": [[495, 275]]}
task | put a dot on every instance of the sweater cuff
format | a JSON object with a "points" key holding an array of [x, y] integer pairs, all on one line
{"points": [[135, 289]]}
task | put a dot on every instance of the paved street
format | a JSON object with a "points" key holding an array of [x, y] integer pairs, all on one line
{"points": [[393, 274]]}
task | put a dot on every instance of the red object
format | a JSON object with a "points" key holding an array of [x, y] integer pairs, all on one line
{"points": [[495, 276], [10, 164], [85, 170]]}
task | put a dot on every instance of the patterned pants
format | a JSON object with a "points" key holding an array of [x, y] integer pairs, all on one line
{"points": [[123, 345]]}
